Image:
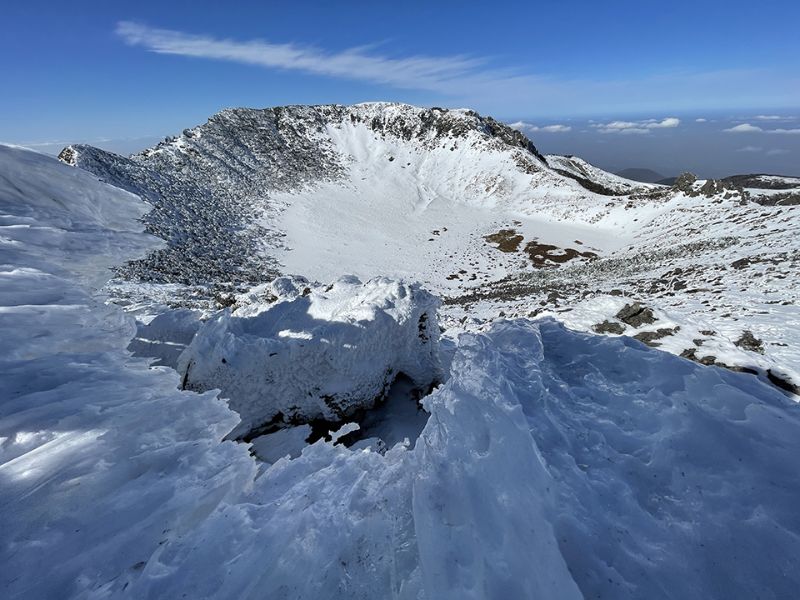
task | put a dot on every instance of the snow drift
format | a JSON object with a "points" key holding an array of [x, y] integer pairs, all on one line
{"points": [[316, 352], [102, 459], [554, 464]]}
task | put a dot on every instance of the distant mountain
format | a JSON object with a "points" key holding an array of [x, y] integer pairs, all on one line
{"points": [[763, 181], [643, 175]]}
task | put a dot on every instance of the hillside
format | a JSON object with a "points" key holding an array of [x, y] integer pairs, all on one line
{"points": [[469, 208]]}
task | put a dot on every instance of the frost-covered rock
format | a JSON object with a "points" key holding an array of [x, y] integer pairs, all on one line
{"points": [[315, 352]]}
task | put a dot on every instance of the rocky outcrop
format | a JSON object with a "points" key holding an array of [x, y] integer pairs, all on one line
{"points": [[636, 315]]}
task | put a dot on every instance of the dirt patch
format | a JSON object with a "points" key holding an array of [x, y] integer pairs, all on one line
{"points": [[750, 342], [507, 240], [544, 255]]}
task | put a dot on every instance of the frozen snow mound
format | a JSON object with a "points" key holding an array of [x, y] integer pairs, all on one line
{"points": [[665, 479], [315, 352], [102, 459], [554, 464]]}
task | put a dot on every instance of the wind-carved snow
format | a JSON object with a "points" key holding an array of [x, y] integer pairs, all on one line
{"points": [[553, 463], [315, 352], [102, 460]]}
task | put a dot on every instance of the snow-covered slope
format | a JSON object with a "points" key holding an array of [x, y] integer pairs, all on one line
{"points": [[469, 208], [91, 440], [554, 464], [602, 181]]}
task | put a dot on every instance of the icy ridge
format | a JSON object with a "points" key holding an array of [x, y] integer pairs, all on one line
{"points": [[89, 437]]}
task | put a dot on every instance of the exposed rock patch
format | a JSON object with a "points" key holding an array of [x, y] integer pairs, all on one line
{"points": [[636, 315], [507, 240], [650, 337], [544, 255], [608, 327], [750, 342]]}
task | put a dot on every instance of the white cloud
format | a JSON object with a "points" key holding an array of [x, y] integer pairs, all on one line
{"points": [[748, 128], [744, 128], [555, 128], [774, 118], [700, 120], [751, 149], [777, 152], [637, 127], [476, 81], [784, 131], [667, 123], [523, 126]]}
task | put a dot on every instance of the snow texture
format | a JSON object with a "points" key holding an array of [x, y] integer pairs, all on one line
{"points": [[554, 464], [321, 353], [102, 460]]}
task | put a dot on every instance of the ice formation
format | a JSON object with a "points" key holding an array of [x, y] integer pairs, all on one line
{"points": [[554, 464], [317, 352]]}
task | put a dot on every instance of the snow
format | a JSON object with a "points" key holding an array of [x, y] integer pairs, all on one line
{"points": [[165, 336], [323, 354], [290, 442], [101, 457], [580, 168], [447, 197], [550, 463]]}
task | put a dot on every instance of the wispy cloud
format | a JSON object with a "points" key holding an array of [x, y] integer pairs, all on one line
{"points": [[749, 128], [700, 120], [637, 127], [417, 72], [774, 118], [477, 81], [523, 126], [759, 149]]}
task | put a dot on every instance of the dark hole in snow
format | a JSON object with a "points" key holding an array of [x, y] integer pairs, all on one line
{"points": [[396, 417]]}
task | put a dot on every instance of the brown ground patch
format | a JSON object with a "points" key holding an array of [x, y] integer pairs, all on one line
{"points": [[543, 255], [507, 240]]}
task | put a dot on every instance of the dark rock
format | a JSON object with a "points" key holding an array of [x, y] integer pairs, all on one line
{"points": [[782, 382], [636, 315], [684, 182], [650, 337], [741, 263], [750, 342], [608, 327]]}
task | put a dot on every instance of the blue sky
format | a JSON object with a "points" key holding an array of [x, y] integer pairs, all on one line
{"points": [[94, 71]]}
